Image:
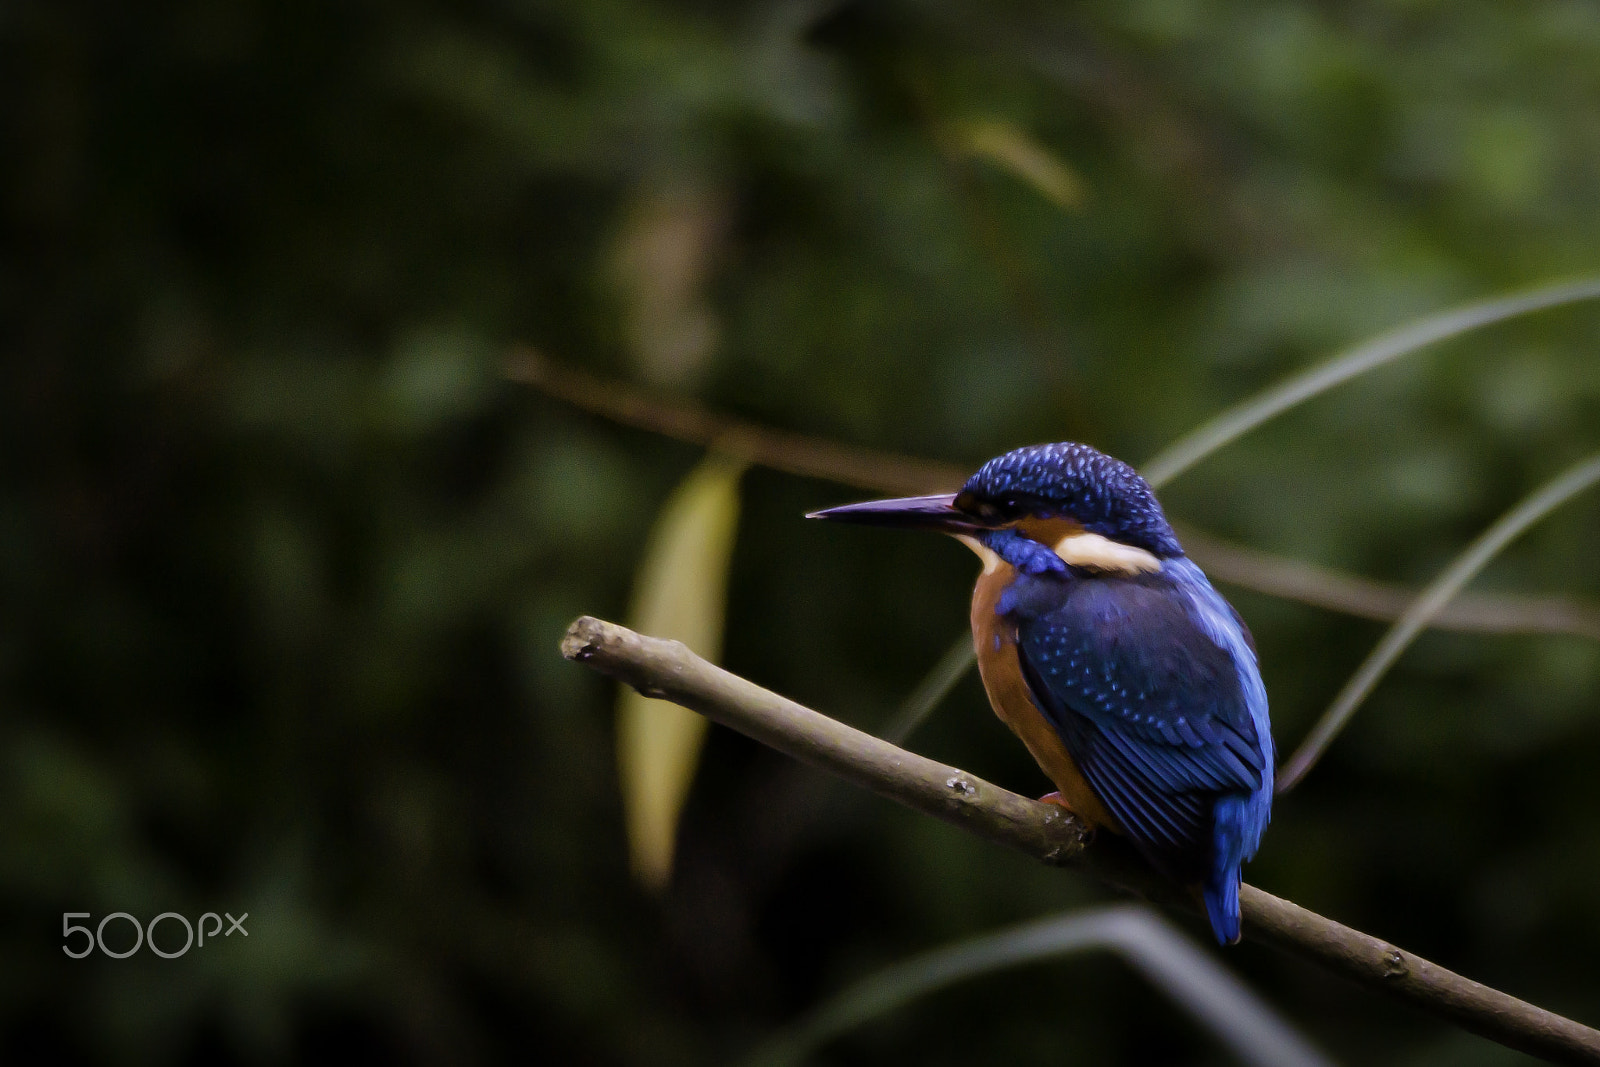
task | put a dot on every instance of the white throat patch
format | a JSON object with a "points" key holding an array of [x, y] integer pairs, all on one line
{"points": [[991, 562], [1097, 553]]}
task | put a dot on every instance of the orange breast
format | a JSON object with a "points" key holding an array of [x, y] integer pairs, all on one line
{"points": [[996, 643]]}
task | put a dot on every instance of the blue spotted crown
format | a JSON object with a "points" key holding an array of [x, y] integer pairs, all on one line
{"points": [[1073, 481]]}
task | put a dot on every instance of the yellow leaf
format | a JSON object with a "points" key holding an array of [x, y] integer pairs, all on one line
{"points": [[680, 593], [1014, 150]]}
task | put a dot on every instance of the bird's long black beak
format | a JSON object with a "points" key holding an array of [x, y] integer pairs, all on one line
{"points": [[907, 513]]}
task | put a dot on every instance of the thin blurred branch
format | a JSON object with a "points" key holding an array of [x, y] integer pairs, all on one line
{"points": [[887, 472], [668, 670], [809, 457], [1350, 594]]}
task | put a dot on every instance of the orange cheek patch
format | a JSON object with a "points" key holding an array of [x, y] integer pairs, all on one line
{"points": [[994, 639], [1047, 531]]}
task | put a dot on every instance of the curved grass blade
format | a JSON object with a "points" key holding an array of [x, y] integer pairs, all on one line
{"points": [[1546, 499], [1205, 989], [931, 691], [680, 592], [1248, 414]]}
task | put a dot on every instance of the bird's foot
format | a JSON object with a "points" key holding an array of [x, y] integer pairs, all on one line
{"points": [[1058, 800], [1061, 802]]}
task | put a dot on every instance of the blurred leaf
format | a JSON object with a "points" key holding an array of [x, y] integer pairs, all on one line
{"points": [[1015, 151], [680, 593], [1204, 988], [434, 377]]}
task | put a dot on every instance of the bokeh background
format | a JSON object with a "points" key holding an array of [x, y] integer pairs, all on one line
{"points": [[285, 557]]}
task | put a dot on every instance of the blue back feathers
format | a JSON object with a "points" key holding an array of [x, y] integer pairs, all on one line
{"points": [[1073, 481], [1150, 679]]}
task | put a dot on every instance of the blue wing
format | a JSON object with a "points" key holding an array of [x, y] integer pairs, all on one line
{"points": [[1152, 706]]}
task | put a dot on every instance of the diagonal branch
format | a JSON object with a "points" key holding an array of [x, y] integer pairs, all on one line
{"points": [[1350, 594], [887, 472], [683, 420], [668, 670]]}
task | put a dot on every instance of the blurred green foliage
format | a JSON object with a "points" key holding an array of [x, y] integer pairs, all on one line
{"points": [[284, 560]]}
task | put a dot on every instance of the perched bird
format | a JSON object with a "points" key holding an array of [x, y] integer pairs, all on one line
{"points": [[1129, 678]]}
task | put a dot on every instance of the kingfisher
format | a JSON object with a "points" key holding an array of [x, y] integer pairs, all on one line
{"points": [[1131, 681]]}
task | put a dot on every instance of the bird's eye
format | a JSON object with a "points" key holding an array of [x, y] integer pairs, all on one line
{"points": [[965, 501]]}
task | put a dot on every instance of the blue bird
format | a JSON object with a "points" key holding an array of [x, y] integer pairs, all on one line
{"points": [[1131, 681]]}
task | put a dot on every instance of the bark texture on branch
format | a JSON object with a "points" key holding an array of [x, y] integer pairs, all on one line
{"points": [[668, 670]]}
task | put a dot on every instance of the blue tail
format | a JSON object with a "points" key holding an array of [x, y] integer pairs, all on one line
{"points": [[1221, 894], [1237, 822]]}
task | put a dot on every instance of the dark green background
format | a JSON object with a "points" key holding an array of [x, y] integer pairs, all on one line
{"points": [[284, 560]]}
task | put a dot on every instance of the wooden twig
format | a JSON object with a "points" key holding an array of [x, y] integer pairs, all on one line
{"points": [[668, 670], [886, 472]]}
